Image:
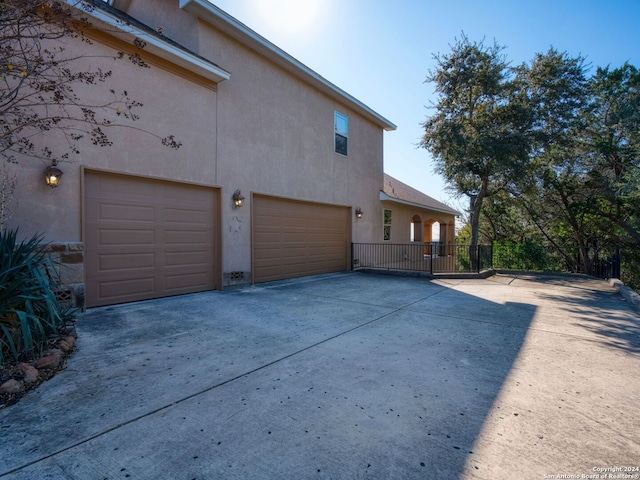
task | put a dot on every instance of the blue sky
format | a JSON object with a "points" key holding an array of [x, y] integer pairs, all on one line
{"points": [[380, 51]]}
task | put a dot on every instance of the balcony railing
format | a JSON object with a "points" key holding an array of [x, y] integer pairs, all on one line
{"points": [[430, 258]]}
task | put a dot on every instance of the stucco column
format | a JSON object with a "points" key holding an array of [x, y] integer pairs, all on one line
{"points": [[427, 232]]}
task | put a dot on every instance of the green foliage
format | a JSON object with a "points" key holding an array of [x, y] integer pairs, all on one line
{"points": [[630, 269], [549, 156], [476, 133], [529, 256], [29, 310]]}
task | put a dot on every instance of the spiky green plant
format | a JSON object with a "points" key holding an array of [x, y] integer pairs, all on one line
{"points": [[29, 310]]}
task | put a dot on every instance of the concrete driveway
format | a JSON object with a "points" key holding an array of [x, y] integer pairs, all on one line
{"points": [[343, 376]]}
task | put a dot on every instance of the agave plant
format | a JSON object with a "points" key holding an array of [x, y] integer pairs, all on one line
{"points": [[29, 310]]}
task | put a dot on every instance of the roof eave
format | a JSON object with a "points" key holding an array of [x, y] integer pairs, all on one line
{"points": [[237, 30], [385, 197], [154, 45]]}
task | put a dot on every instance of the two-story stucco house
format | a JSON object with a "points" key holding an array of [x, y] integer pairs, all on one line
{"points": [[138, 220]]}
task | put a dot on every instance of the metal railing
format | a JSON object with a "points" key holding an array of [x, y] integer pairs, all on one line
{"points": [[435, 258], [608, 267], [430, 258], [529, 256]]}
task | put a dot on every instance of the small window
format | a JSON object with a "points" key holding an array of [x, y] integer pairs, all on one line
{"points": [[387, 225], [341, 129]]}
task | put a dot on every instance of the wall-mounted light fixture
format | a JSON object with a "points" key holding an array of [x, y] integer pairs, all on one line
{"points": [[52, 174], [358, 212], [237, 199]]}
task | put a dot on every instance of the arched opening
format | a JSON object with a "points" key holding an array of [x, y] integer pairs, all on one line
{"points": [[416, 229], [436, 232], [431, 231]]}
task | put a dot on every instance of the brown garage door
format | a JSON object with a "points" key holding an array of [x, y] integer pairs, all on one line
{"points": [[294, 239], [147, 238]]}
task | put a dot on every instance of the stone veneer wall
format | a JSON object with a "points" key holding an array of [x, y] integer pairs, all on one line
{"points": [[68, 259]]}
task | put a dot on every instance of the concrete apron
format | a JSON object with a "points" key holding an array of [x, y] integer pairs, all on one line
{"points": [[343, 376]]}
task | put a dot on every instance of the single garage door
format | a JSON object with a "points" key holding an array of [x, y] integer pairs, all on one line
{"points": [[148, 238], [294, 238]]}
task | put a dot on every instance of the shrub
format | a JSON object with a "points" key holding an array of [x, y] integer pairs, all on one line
{"points": [[29, 310]]}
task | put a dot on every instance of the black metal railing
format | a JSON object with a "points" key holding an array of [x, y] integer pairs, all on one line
{"points": [[608, 267], [435, 258], [422, 257], [531, 256]]}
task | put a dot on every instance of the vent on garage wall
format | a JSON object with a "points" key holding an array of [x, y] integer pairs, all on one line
{"points": [[236, 278]]}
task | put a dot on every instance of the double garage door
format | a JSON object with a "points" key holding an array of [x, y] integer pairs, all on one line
{"points": [[147, 238], [294, 238]]}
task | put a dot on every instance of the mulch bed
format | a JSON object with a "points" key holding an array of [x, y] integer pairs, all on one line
{"points": [[18, 378]]}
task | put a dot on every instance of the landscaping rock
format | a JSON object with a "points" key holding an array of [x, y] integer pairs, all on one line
{"points": [[67, 344], [30, 373], [11, 386], [53, 351], [71, 331], [50, 361], [18, 378]]}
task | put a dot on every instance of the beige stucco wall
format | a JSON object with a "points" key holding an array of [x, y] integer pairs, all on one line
{"points": [[262, 131], [171, 105], [276, 134], [276, 137]]}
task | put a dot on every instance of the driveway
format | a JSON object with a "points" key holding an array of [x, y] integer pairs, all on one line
{"points": [[337, 376]]}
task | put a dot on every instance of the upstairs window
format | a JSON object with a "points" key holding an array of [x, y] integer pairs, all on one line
{"points": [[341, 130], [386, 235]]}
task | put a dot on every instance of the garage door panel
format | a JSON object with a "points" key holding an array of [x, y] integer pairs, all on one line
{"points": [[292, 239], [271, 238], [123, 213], [119, 236], [190, 259], [182, 283], [147, 238], [125, 261], [182, 216], [124, 185], [129, 289], [186, 237]]}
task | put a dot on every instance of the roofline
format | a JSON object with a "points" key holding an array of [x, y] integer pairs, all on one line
{"points": [[385, 197], [222, 20], [154, 44]]}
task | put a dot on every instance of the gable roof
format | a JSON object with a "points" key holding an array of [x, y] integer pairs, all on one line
{"points": [[220, 19], [396, 191], [127, 28]]}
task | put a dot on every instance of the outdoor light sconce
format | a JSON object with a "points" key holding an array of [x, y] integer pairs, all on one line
{"points": [[52, 174], [358, 212], [238, 198]]}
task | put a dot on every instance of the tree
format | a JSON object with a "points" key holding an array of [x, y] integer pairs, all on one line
{"points": [[553, 192], [475, 136], [541, 146], [39, 80], [613, 136]]}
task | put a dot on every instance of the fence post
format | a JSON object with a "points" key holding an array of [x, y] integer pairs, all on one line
{"points": [[352, 251], [491, 251], [431, 258]]}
